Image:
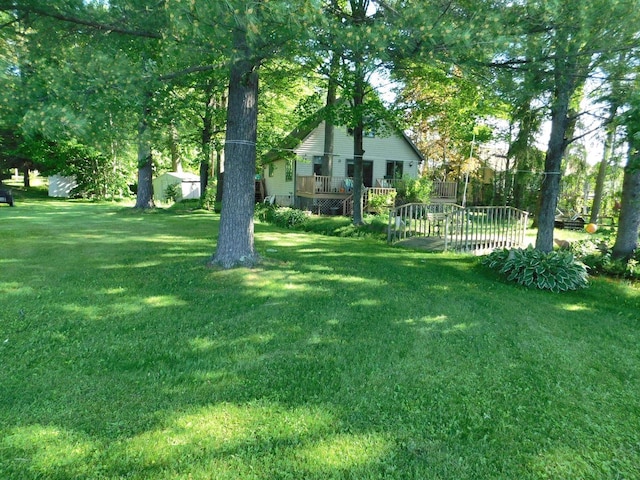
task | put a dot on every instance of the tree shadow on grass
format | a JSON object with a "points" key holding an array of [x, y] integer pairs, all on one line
{"points": [[334, 359]]}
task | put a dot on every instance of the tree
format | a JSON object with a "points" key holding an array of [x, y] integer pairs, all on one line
{"points": [[627, 238], [568, 43], [82, 75], [444, 107], [350, 34], [374, 38], [618, 69], [247, 35], [330, 103]]}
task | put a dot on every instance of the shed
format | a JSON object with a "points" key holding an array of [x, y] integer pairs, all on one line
{"points": [[60, 186], [189, 183]]}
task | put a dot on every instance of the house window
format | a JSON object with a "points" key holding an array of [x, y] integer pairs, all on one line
{"points": [[288, 170], [317, 165], [272, 169], [366, 132], [394, 170]]}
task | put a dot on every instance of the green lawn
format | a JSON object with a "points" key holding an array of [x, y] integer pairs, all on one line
{"points": [[124, 356]]}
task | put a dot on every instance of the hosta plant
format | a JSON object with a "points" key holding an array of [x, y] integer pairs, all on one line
{"points": [[557, 271]]}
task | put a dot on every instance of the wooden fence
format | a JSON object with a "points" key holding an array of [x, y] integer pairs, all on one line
{"points": [[444, 190], [477, 230]]}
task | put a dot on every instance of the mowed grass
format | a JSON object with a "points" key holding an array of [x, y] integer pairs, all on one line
{"points": [[123, 356]]}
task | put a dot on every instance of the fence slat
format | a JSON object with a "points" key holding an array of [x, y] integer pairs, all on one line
{"points": [[472, 229]]}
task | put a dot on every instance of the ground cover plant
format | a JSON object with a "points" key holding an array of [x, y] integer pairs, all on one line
{"points": [[124, 356], [374, 226], [597, 252], [557, 271]]}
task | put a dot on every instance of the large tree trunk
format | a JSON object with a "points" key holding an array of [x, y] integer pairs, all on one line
{"points": [[332, 89], [627, 238], [205, 161], [235, 239], [219, 173], [602, 169], [358, 192], [358, 150], [144, 197], [553, 161], [551, 184], [205, 168], [25, 175]]}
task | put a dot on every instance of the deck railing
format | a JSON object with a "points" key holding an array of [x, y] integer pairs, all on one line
{"points": [[476, 230], [444, 190], [315, 184], [320, 184], [439, 190]]}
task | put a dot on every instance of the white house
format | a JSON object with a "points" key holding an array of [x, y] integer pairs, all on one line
{"points": [[189, 185], [292, 174]]}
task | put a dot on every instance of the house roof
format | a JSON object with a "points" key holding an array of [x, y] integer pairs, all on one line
{"points": [[184, 176], [294, 138], [304, 129]]}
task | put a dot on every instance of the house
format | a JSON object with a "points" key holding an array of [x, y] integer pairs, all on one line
{"points": [[188, 186], [292, 173]]}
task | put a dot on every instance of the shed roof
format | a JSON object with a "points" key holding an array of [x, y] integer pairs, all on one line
{"points": [[184, 176]]}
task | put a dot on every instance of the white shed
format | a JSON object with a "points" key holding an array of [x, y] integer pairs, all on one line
{"points": [[60, 186], [189, 183]]}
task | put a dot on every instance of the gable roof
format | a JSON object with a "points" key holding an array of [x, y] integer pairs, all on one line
{"points": [[295, 137], [303, 130], [183, 176]]}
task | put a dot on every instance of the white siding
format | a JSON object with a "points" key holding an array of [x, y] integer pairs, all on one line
{"points": [[378, 149], [189, 185], [277, 184]]}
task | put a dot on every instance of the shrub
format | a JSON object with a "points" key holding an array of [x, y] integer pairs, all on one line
{"points": [[281, 216], [208, 201], [97, 176], [412, 190], [596, 255], [173, 192], [557, 271], [382, 202]]}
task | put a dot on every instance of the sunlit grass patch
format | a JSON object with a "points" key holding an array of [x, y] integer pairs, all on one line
{"points": [[124, 356], [224, 439], [46, 451], [346, 452]]}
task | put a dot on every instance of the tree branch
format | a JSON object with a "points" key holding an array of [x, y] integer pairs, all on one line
{"points": [[108, 28], [187, 71]]}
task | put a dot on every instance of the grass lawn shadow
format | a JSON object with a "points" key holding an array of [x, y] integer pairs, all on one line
{"points": [[125, 357]]}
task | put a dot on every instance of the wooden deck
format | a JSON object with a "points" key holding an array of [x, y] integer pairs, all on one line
{"points": [[318, 186], [341, 188]]}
